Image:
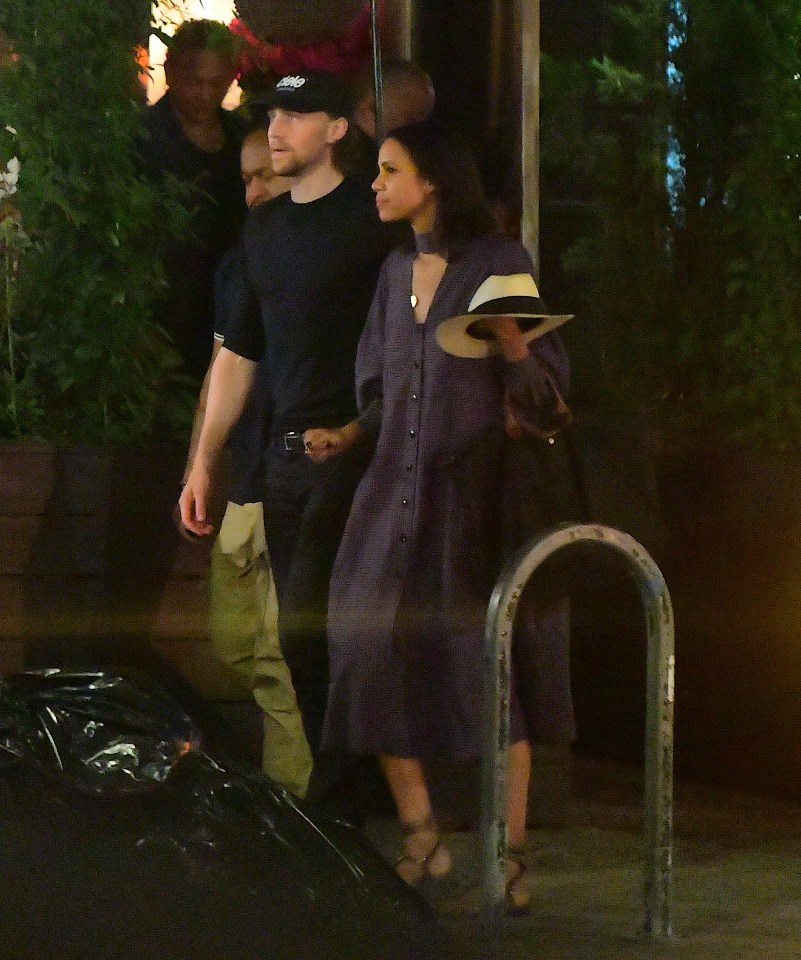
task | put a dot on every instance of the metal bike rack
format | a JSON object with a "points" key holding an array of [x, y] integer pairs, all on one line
{"points": [[658, 817]]}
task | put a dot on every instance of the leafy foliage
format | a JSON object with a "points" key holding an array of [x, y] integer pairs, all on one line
{"points": [[741, 121], [604, 137], [92, 365], [691, 297]]}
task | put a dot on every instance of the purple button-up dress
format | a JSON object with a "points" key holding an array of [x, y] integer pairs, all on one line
{"points": [[406, 613]]}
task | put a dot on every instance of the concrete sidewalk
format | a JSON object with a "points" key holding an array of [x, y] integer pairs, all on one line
{"points": [[737, 877]]}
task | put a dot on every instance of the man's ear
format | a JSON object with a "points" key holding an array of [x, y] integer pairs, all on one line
{"points": [[337, 129]]}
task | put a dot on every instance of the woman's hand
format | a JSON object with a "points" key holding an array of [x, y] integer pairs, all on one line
{"points": [[321, 443], [507, 332]]}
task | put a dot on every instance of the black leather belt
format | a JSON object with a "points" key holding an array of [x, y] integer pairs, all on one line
{"points": [[293, 440]]}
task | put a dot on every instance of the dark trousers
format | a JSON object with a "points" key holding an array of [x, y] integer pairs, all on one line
{"points": [[306, 506]]}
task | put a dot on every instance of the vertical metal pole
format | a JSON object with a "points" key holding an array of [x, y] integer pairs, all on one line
{"points": [[658, 813], [378, 86], [495, 754], [529, 16]]}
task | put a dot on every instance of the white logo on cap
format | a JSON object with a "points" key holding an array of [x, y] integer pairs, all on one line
{"points": [[291, 82]]}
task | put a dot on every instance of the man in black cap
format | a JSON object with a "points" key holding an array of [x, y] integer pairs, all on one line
{"points": [[310, 261]]}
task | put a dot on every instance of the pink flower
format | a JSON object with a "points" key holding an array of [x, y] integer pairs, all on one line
{"points": [[345, 54]]}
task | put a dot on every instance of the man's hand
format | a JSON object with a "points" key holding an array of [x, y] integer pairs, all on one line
{"points": [[194, 502], [321, 443], [230, 379], [178, 523]]}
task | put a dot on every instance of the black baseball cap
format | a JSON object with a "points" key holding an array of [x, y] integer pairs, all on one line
{"points": [[311, 91]]}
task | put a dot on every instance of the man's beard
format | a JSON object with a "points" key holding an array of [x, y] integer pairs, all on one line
{"points": [[292, 165], [295, 166]]}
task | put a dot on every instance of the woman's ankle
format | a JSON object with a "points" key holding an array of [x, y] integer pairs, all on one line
{"points": [[424, 854]]}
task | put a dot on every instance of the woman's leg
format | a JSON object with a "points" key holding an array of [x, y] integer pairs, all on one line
{"points": [[424, 854], [517, 794], [517, 894]]}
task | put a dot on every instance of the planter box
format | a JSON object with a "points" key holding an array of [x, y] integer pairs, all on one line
{"points": [[88, 551], [734, 573]]}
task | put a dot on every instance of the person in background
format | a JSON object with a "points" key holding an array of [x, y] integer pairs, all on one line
{"points": [[243, 609], [407, 91], [415, 569], [310, 260], [188, 135], [408, 97]]}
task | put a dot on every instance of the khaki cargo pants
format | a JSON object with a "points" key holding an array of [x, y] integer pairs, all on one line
{"points": [[243, 614]]}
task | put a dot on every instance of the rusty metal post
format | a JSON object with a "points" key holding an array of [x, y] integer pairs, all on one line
{"points": [[658, 814]]}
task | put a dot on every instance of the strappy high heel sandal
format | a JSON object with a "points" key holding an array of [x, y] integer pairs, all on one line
{"points": [[518, 895], [433, 865]]}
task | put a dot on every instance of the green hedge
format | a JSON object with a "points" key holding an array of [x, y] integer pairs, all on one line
{"points": [[90, 364]]}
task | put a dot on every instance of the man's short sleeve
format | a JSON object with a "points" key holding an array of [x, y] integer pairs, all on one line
{"points": [[237, 321]]}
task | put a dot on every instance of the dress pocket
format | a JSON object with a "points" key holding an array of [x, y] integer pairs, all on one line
{"points": [[472, 534]]}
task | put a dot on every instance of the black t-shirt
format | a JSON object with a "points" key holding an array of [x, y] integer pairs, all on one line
{"points": [[310, 270], [246, 440]]}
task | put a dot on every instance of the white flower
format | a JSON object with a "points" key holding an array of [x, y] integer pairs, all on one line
{"points": [[11, 130], [9, 178]]}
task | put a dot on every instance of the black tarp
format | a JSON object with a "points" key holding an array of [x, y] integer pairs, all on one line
{"points": [[120, 836]]}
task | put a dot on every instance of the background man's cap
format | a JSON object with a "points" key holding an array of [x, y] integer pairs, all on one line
{"points": [[311, 91], [513, 295]]}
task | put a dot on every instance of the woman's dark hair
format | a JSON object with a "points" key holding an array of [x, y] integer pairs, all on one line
{"points": [[444, 159]]}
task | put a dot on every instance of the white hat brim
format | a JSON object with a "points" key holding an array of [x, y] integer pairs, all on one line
{"points": [[452, 334]]}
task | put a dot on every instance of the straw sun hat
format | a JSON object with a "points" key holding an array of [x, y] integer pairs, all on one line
{"points": [[514, 295]]}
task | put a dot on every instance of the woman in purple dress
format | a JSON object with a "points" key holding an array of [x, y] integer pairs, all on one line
{"points": [[414, 573]]}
